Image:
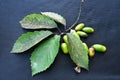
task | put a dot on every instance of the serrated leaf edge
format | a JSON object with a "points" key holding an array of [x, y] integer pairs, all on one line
{"points": [[87, 68], [47, 27], [54, 18], [31, 46], [33, 74]]}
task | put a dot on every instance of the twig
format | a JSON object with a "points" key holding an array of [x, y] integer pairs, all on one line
{"points": [[80, 10], [78, 17], [59, 30], [62, 33]]}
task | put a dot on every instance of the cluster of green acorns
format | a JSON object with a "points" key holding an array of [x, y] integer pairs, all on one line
{"points": [[82, 31]]}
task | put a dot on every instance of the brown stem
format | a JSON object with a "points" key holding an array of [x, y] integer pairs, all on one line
{"points": [[78, 17], [59, 30]]}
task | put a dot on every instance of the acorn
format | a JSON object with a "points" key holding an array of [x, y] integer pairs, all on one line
{"points": [[88, 29], [82, 34], [65, 38], [64, 48], [91, 52], [86, 47], [99, 47], [79, 26]]}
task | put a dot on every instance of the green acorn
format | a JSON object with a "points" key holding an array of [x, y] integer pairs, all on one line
{"points": [[86, 47], [99, 47], [64, 48], [88, 29], [82, 34], [79, 26], [91, 52], [65, 38]]}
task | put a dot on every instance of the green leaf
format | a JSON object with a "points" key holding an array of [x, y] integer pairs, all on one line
{"points": [[77, 51], [44, 55], [28, 40], [37, 21], [56, 17]]}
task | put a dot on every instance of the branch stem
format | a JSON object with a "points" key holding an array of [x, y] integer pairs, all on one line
{"points": [[78, 18], [59, 30]]}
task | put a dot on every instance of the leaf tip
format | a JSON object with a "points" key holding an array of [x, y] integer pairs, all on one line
{"points": [[12, 51], [20, 21], [33, 74], [56, 17], [15, 51], [87, 68]]}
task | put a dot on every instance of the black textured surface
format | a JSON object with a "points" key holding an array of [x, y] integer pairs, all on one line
{"points": [[102, 15]]}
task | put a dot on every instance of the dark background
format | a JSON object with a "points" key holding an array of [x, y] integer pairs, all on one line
{"points": [[102, 15]]}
